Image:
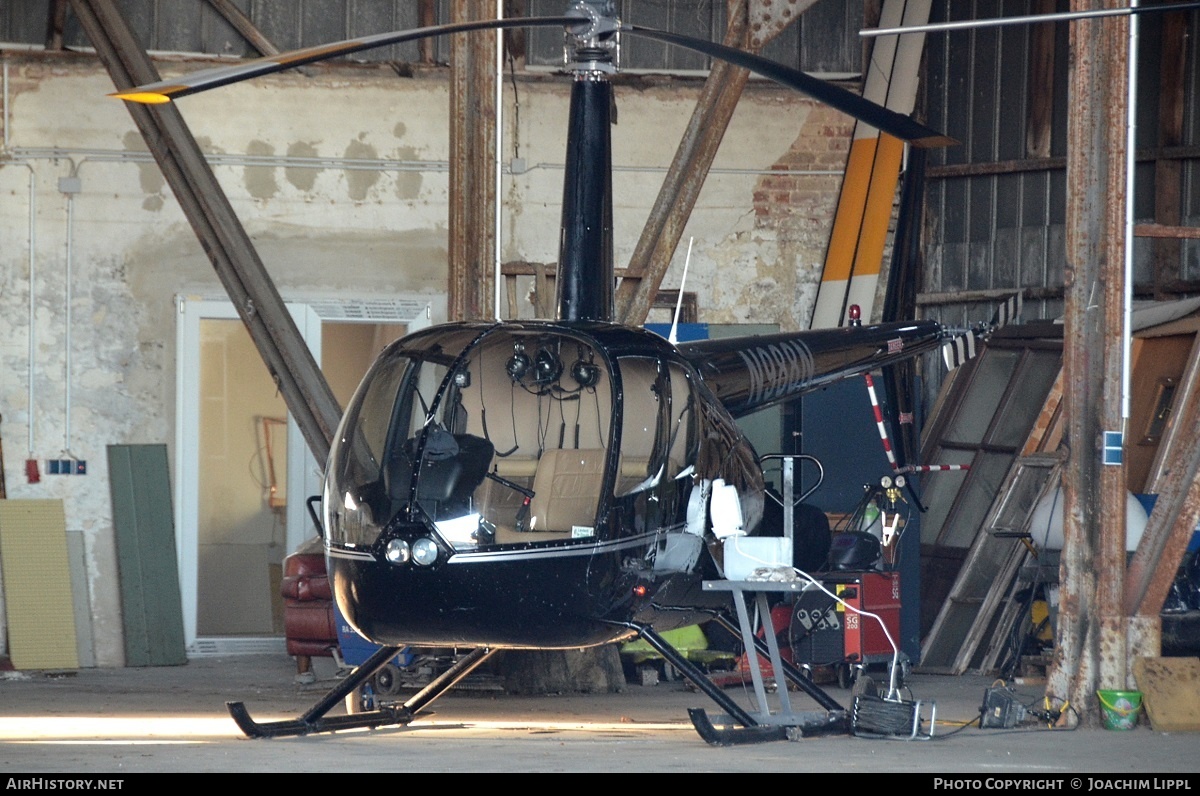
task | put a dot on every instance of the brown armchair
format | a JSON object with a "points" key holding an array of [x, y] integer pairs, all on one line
{"points": [[309, 625]]}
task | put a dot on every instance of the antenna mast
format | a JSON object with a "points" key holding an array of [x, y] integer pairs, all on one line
{"points": [[679, 299]]}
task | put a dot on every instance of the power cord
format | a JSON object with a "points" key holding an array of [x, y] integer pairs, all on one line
{"points": [[1052, 715], [772, 570], [1002, 710], [893, 692]]}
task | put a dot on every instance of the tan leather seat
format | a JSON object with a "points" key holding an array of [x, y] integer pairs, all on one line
{"points": [[566, 489]]}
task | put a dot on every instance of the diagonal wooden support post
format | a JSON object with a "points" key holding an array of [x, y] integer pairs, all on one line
{"points": [[250, 288]]}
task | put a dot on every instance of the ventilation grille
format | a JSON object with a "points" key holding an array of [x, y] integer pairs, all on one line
{"points": [[384, 310], [203, 647]]}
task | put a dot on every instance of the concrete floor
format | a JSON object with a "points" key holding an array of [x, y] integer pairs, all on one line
{"points": [[113, 722]]}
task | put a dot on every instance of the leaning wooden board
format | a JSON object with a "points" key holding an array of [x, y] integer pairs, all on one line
{"points": [[37, 585], [1170, 692]]}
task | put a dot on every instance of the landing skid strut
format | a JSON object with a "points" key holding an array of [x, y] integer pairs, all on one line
{"points": [[766, 727], [315, 720]]}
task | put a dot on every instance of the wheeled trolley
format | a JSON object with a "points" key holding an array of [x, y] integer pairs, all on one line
{"points": [[860, 631]]}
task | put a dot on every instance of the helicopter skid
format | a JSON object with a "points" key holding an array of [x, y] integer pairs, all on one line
{"points": [[796, 726], [730, 736], [315, 720], [753, 728], [386, 716]]}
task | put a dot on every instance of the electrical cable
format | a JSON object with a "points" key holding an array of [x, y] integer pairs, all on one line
{"points": [[875, 717], [890, 716], [959, 729], [893, 688]]}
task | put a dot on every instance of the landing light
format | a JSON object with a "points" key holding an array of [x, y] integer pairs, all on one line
{"points": [[397, 551], [424, 551]]}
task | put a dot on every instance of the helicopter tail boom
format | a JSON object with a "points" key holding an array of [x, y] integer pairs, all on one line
{"points": [[749, 373]]}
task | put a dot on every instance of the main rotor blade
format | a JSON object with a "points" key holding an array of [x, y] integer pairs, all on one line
{"points": [[888, 121], [205, 79], [878, 116]]}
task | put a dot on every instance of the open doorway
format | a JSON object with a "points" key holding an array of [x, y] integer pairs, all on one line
{"points": [[243, 470], [241, 519]]}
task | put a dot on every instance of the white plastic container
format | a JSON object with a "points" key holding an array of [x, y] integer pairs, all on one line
{"points": [[744, 554]]}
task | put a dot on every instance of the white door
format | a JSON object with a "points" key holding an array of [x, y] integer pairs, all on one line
{"points": [[243, 469]]}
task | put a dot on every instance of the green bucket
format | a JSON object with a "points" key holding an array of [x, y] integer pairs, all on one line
{"points": [[1120, 709]]}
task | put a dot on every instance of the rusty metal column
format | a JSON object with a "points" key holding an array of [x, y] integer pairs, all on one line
{"points": [[221, 234], [472, 162], [1091, 628]]}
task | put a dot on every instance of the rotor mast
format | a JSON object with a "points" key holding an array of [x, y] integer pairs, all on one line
{"points": [[585, 286]]}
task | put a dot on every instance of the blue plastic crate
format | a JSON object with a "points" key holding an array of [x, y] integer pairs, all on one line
{"points": [[356, 649]]}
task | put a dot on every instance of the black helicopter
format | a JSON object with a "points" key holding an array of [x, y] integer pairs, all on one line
{"points": [[564, 483]]}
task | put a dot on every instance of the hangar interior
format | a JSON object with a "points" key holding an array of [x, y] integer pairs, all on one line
{"points": [[125, 352]]}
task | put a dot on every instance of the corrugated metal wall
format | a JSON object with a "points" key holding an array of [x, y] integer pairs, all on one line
{"points": [[195, 27], [1000, 227], [825, 40], [996, 204]]}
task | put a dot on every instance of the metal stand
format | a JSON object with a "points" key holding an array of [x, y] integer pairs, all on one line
{"points": [[832, 718], [765, 725]]}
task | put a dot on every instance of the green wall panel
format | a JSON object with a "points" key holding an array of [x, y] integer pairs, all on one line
{"points": [[150, 600]]}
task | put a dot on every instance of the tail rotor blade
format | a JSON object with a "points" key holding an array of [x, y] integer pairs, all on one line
{"points": [[1009, 311], [959, 349]]}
